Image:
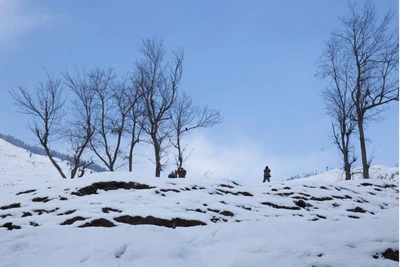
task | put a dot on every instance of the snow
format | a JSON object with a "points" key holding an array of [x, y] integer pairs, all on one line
{"points": [[255, 233]]}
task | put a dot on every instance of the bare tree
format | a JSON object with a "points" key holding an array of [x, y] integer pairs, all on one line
{"points": [[81, 128], [185, 117], [373, 52], [158, 80], [113, 111], [135, 119], [125, 118], [335, 66], [45, 109]]}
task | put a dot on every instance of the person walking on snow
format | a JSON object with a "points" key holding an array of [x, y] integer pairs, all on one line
{"points": [[267, 174]]}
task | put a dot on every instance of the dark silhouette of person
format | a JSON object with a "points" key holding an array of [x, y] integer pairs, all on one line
{"points": [[172, 175], [267, 174]]}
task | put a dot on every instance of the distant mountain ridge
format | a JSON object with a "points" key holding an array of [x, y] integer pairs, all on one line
{"points": [[40, 151]]}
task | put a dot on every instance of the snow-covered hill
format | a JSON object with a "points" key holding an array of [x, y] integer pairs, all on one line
{"points": [[376, 172], [18, 166], [112, 219]]}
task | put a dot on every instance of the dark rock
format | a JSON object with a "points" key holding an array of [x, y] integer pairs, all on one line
{"points": [[299, 197], [389, 186], [66, 213], [26, 214], [354, 217], [72, 220], [225, 185], [199, 210], [274, 189], [33, 224], [284, 194], [301, 203], [12, 206], [391, 254], [63, 198], [170, 190], [175, 222], [361, 200], [366, 184], [213, 210], [287, 187], [321, 217], [40, 212], [321, 198], [357, 209], [323, 187], [279, 207], [26, 192], [335, 205], [10, 226], [215, 219], [342, 197], [5, 215], [107, 210], [227, 213], [41, 199], [246, 194], [92, 189], [98, 223]]}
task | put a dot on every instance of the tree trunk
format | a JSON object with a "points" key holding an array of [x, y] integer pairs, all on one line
{"points": [[54, 162], [158, 165], [131, 157], [73, 172], [347, 166], [365, 164], [157, 151]]}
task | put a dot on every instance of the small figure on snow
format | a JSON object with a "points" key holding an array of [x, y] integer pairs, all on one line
{"points": [[267, 174], [172, 175], [181, 172]]}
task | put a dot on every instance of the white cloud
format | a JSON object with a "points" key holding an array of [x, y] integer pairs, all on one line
{"points": [[15, 21], [244, 160], [239, 158]]}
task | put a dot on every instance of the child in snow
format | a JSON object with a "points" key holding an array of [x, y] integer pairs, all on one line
{"points": [[267, 174], [172, 175]]}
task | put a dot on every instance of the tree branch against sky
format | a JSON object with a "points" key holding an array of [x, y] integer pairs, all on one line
{"points": [[335, 67], [44, 108], [158, 80], [185, 117], [373, 52], [81, 127]]}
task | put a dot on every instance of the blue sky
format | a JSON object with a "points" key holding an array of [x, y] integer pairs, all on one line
{"points": [[253, 60]]}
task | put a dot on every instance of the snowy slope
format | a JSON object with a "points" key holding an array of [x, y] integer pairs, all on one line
{"points": [[112, 219], [18, 166], [377, 172]]}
